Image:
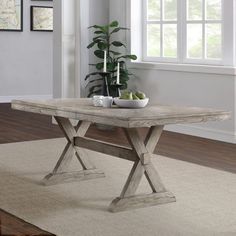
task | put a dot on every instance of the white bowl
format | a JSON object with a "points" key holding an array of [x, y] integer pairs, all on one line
{"points": [[131, 103]]}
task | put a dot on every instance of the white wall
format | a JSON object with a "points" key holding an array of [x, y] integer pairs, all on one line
{"points": [[25, 61], [26, 58], [185, 88], [192, 89]]}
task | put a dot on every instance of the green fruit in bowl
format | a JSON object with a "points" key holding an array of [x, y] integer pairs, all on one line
{"points": [[131, 96], [135, 97], [127, 95], [140, 95]]}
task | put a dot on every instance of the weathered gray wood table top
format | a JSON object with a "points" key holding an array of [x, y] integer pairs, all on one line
{"points": [[82, 109], [140, 151]]}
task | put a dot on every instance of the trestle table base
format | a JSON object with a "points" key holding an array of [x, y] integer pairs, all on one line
{"points": [[140, 154]]}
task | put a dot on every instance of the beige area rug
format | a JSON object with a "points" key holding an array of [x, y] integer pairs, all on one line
{"points": [[206, 198]]}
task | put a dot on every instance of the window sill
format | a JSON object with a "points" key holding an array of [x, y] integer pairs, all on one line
{"points": [[204, 69]]}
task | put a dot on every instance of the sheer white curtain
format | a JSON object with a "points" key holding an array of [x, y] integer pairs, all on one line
{"points": [[71, 19]]}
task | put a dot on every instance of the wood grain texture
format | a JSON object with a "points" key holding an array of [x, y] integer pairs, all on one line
{"points": [[65, 159], [145, 156], [152, 115], [59, 178], [106, 148], [11, 225], [133, 180], [152, 138], [18, 126], [67, 128], [61, 173], [140, 201]]}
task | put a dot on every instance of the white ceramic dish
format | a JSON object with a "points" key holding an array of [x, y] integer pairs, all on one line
{"points": [[131, 103]]}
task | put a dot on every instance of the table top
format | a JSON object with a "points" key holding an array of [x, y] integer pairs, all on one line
{"points": [[153, 114]]}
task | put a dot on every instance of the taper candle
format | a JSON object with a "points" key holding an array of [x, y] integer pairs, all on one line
{"points": [[105, 62], [118, 74]]}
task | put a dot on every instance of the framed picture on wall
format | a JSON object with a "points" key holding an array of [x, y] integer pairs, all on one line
{"points": [[41, 18], [11, 15]]}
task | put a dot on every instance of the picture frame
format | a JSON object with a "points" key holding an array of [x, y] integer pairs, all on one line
{"points": [[11, 12], [41, 18]]}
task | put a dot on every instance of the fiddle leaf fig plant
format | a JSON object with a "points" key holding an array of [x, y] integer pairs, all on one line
{"points": [[103, 40]]}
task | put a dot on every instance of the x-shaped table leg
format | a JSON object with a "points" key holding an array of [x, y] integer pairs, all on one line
{"points": [[60, 173], [142, 166]]}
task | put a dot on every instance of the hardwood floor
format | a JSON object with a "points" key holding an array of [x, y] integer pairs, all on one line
{"points": [[12, 226], [17, 126]]}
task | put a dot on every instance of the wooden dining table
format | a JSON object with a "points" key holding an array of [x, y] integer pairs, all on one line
{"points": [[140, 152]]}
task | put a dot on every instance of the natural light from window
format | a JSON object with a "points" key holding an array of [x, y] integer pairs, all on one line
{"points": [[183, 31]]}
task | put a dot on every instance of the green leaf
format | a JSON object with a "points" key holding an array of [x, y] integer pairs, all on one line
{"points": [[102, 45], [95, 27], [95, 80], [99, 54], [114, 24], [91, 89], [99, 66], [91, 45], [115, 53], [118, 29], [118, 44], [99, 91], [132, 57], [111, 66], [98, 32], [99, 38], [94, 73], [92, 26], [104, 29], [95, 40]]}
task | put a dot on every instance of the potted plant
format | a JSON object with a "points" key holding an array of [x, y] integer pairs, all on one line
{"points": [[103, 44]]}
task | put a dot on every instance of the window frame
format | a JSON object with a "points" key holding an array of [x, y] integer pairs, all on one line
{"points": [[144, 35], [228, 36]]}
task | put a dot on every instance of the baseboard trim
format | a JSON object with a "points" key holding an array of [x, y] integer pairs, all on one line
{"points": [[219, 135], [7, 99]]}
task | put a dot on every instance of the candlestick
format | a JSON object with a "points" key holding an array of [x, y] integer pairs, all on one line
{"points": [[116, 89], [105, 87], [105, 62], [118, 74]]}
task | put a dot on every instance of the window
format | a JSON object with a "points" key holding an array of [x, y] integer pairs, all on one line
{"points": [[161, 29], [188, 31], [204, 23]]}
